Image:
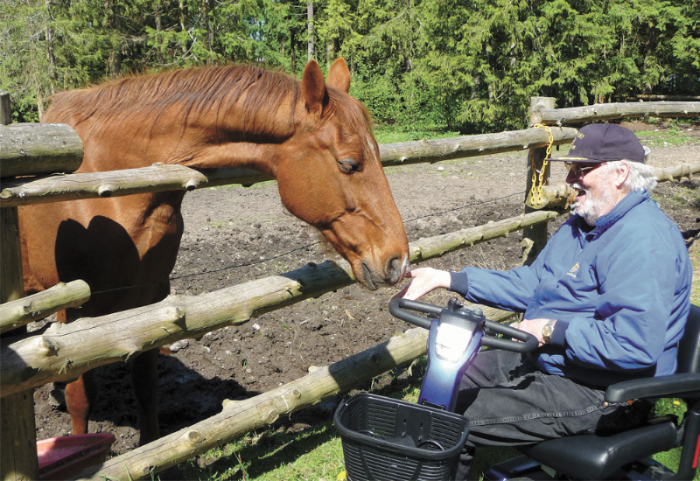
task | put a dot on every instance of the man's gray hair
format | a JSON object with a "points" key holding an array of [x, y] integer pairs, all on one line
{"points": [[641, 176]]}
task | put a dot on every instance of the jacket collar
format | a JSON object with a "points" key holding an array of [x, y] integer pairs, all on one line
{"points": [[627, 203]]}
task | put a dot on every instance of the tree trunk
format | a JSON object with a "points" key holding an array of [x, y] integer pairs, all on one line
{"points": [[310, 29], [207, 28], [330, 52], [183, 27], [39, 99], [112, 25], [159, 39], [50, 56], [157, 178], [292, 50]]}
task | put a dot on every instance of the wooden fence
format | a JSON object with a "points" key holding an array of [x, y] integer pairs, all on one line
{"points": [[59, 353]]}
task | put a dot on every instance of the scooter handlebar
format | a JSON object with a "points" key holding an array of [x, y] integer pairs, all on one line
{"points": [[398, 306], [529, 342]]}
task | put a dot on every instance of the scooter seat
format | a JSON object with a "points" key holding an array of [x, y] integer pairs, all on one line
{"points": [[597, 457]]}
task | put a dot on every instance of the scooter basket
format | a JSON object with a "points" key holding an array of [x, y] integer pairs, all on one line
{"points": [[386, 439]]}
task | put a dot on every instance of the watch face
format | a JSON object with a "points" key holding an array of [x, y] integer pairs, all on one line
{"points": [[547, 332]]}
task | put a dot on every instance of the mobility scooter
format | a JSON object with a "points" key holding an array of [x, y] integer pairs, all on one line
{"points": [[387, 439]]}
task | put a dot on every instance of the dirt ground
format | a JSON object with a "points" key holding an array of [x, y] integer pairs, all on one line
{"points": [[235, 234]]}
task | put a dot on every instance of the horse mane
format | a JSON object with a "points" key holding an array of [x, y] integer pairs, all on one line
{"points": [[192, 89], [213, 87], [254, 91]]}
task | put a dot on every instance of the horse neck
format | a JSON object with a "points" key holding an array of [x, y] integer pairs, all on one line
{"points": [[244, 137], [240, 128]]}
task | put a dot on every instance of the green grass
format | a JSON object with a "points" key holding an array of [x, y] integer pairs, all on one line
{"points": [[672, 135], [676, 407], [316, 453], [695, 289], [313, 454], [386, 135]]}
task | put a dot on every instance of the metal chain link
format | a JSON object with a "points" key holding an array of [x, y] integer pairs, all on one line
{"points": [[538, 180]]}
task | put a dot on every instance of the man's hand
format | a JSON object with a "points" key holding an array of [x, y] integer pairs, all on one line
{"points": [[425, 279], [534, 327]]}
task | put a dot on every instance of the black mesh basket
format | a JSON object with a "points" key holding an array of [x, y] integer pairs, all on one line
{"points": [[386, 439]]}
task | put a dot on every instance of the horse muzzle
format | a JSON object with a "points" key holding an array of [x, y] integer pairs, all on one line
{"points": [[392, 273]]}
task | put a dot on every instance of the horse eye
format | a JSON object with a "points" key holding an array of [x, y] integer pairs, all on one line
{"points": [[349, 166]]}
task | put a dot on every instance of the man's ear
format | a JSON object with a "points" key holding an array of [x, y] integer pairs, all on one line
{"points": [[622, 173]]}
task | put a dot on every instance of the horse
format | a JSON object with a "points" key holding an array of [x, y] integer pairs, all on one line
{"points": [[311, 136]]}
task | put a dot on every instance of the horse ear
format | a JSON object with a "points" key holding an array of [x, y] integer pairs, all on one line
{"points": [[313, 87], [339, 75]]}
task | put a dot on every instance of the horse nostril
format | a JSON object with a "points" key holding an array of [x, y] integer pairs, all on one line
{"points": [[393, 270], [367, 272]]}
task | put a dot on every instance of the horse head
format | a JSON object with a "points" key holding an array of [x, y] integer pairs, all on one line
{"points": [[329, 175]]}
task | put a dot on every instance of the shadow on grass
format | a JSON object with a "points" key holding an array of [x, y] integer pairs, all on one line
{"points": [[286, 442]]}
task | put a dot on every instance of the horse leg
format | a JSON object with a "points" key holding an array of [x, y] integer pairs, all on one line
{"points": [[80, 396], [144, 376]]}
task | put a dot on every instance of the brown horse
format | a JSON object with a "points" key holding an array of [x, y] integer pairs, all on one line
{"points": [[312, 137]]}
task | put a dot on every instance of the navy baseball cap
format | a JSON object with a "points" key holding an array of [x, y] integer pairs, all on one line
{"points": [[596, 143]]}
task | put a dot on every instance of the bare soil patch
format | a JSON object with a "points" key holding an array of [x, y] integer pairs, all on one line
{"points": [[234, 234]]}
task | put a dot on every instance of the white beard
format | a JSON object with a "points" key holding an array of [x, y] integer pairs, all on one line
{"points": [[593, 207]]}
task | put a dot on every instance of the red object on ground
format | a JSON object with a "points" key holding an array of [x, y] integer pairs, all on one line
{"points": [[61, 458]]}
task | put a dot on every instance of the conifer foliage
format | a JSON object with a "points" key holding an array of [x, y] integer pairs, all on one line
{"points": [[468, 66]]}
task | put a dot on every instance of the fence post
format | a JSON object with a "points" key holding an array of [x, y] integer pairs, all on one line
{"points": [[535, 237], [18, 458]]}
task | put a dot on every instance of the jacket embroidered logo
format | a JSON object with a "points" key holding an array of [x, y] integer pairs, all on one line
{"points": [[573, 270]]}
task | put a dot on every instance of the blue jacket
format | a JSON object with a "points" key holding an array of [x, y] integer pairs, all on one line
{"points": [[620, 293]]}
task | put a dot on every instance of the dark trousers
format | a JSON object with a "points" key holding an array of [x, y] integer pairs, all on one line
{"points": [[510, 403]]}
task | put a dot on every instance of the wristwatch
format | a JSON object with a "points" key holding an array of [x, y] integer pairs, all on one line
{"points": [[547, 331]]}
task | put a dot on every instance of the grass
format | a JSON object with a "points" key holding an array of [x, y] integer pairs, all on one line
{"points": [[674, 134], [386, 135], [316, 454], [671, 458], [695, 258], [313, 454]]}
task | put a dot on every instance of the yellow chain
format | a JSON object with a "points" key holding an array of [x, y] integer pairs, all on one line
{"points": [[538, 181]]}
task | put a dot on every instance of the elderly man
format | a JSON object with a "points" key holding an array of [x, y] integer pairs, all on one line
{"points": [[607, 298]]}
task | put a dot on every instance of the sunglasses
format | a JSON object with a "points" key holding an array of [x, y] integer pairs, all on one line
{"points": [[579, 171]]}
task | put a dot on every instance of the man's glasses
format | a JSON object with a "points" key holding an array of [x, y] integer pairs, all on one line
{"points": [[579, 171]]}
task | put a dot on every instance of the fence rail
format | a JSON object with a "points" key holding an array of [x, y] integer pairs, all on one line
{"points": [[159, 177], [38, 306], [598, 112], [29, 149]]}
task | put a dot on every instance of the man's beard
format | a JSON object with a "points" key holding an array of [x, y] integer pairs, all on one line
{"points": [[593, 206]]}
